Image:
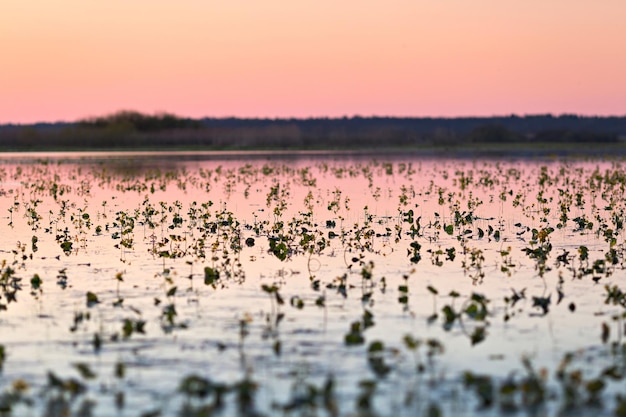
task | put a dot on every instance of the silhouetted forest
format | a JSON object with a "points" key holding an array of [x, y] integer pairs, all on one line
{"points": [[129, 129]]}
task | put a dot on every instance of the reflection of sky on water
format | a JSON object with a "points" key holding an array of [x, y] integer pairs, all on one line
{"points": [[347, 191]]}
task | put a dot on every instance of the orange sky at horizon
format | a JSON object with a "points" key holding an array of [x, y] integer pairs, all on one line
{"points": [[70, 59]]}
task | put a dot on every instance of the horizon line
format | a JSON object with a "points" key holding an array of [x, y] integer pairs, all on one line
{"points": [[318, 117]]}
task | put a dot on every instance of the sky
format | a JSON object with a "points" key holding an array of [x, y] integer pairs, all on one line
{"points": [[64, 60]]}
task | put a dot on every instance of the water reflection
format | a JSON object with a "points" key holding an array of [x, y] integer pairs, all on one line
{"points": [[286, 271]]}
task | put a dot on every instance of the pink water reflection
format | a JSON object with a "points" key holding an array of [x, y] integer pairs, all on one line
{"points": [[483, 212]]}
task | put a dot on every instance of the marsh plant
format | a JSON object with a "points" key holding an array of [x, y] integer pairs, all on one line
{"points": [[312, 287]]}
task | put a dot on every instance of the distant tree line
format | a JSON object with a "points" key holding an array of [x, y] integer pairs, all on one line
{"points": [[129, 129], [139, 122]]}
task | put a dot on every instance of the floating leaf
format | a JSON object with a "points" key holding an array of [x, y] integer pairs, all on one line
{"points": [[66, 246], [543, 303], [92, 299], [449, 316], [211, 275], [195, 386], [84, 370], [355, 336], [478, 335], [278, 248], [36, 282], [297, 302]]}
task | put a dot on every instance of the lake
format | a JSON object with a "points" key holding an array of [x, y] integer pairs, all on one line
{"points": [[339, 284]]}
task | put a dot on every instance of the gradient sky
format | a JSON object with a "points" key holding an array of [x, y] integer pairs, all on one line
{"points": [[68, 59]]}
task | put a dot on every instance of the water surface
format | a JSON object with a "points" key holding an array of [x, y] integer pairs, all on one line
{"points": [[271, 276]]}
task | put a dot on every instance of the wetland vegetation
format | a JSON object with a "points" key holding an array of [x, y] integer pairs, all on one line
{"points": [[313, 286]]}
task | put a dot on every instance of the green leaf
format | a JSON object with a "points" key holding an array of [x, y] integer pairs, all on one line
{"points": [[368, 319], [353, 339], [296, 302], [376, 346], [449, 315], [195, 386], [92, 299], [478, 335], [127, 328], [211, 275], [279, 249], [120, 370], [410, 342], [84, 370], [36, 282], [355, 336]]}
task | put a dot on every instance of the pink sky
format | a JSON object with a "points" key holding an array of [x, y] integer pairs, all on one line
{"points": [[67, 59]]}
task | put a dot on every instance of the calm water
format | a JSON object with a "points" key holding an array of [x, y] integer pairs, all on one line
{"points": [[280, 273]]}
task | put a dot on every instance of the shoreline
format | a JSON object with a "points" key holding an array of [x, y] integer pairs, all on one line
{"points": [[488, 151]]}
